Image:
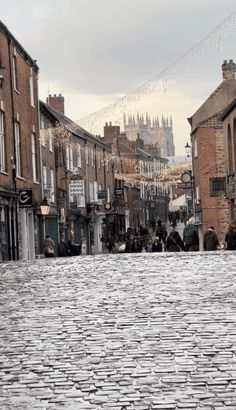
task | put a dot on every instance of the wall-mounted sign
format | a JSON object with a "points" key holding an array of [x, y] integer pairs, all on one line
{"points": [[102, 195], [25, 198], [119, 192]]}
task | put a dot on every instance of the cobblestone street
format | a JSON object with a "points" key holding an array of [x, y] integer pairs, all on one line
{"points": [[115, 332]]}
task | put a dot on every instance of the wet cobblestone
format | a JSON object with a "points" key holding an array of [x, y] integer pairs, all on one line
{"points": [[146, 331]]}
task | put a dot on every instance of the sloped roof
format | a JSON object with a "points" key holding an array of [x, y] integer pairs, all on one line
{"points": [[20, 49], [215, 104], [73, 127], [228, 109]]}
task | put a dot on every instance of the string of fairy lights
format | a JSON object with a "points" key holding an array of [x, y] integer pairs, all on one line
{"points": [[139, 172], [133, 171], [161, 81]]}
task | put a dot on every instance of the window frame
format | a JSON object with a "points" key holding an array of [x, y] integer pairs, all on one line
{"points": [[2, 142]]}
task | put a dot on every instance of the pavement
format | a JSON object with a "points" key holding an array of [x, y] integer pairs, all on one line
{"points": [[119, 331]]}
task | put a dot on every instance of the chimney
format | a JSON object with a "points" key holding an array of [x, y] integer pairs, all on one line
{"points": [[56, 102], [228, 70]]}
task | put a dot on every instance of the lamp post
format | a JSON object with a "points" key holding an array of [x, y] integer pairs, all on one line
{"points": [[188, 178], [45, 209], [2, 69], [188, 149]]}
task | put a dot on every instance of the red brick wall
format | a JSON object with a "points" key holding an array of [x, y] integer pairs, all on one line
{"points": [[210, 163]]}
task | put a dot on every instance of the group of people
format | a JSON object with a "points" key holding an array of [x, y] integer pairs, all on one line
{"points": [[64, 249], [161, 241]]}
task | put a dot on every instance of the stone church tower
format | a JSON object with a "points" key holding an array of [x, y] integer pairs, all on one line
{"points": [[156, 137]]}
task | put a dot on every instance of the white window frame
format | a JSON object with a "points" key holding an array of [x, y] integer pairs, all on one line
{"points": [[92, 157], [52, 187], [69, 158], [2, 144], [108, 194], [195, 148], [44, 177], [33, 153], [31, 85], [14, 69], [18, 150], [93, 191], [78, 151], [50, 140]]}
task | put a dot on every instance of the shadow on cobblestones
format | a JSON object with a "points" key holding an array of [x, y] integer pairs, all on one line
{"points": [[143, 331]]}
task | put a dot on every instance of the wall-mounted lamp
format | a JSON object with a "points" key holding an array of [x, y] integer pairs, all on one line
{"points": [[2, 69], [188, 149], [44, 206]]}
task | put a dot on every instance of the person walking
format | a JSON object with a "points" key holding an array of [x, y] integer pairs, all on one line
{"points": [[174, 242], [156, 245], [161, 232], [230, 238], [190, 236], [210, 241], [48, 247]]}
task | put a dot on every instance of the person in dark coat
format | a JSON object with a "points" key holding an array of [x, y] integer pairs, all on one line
{"points": [[136, 246], [190, 236], [230, 238], [210, 242], [156, 245], [161, 231], [174, 242]]}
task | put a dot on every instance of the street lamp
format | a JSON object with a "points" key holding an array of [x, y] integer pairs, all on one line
{"points": [[2, 68], [188, 149], [188, 179], [44, 206]]}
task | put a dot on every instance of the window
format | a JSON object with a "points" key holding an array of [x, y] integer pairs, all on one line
{"points": [[92, 158], [52, 195], [42, 131], [78, 155], [50, 140], [195, 149], [18, 149], [31, 84], [108, 194], [34, 163], [44, 177], [217, 186], [14, 69], [2, 144], [93, 191], [69, 158], [86, 155], [99, 159]]}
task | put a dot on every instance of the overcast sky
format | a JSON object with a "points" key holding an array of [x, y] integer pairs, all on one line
{"points": [[97, 51]]}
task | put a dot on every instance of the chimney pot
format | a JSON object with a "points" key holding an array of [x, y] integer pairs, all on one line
{"points": [[228, 70]]}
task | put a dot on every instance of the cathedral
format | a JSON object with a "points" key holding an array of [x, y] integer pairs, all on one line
{"points": [[157, 138]]}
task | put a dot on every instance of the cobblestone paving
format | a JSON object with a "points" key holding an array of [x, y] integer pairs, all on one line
{"points": [[147, 331]]}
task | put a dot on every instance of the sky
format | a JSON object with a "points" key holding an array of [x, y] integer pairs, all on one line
{"points": [[127, 55]]}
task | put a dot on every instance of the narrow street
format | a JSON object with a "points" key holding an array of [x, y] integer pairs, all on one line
{"points": [[119, 331]]}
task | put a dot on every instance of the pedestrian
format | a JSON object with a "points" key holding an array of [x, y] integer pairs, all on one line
{"points": [[174, 242], [230, 238], [63, 248], [161, 231], [48, 247], [190, 236], [210, 241], [156, 245]]}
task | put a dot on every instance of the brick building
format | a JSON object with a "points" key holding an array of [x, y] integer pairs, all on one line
{"points": [[209, 157], [78, 169], [19, 150], [229, 127]]}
